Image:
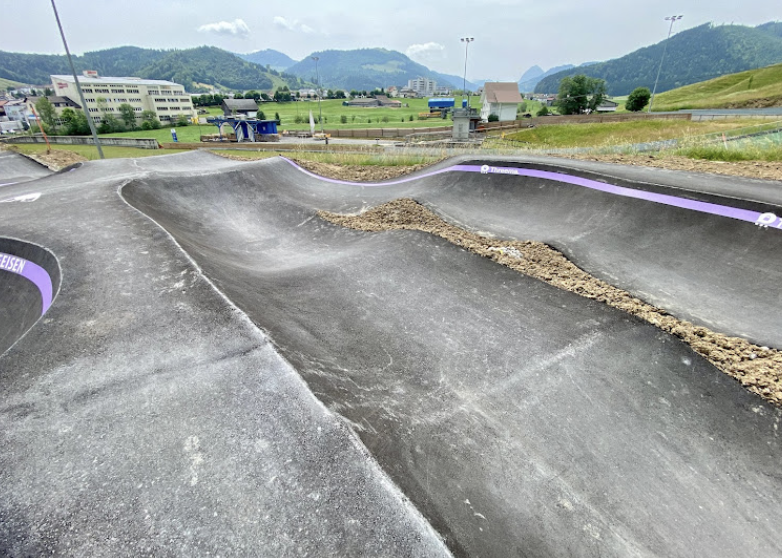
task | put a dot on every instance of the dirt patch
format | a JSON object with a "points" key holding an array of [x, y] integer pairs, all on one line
{"points": [[759, 369], [763, 102], [750, 169], [352, 173], [360, 173]]}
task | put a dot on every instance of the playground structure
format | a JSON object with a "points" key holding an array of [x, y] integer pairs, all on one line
{"points": [[245, 129]]}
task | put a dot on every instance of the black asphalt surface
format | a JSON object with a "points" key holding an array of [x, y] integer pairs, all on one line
{"points": [[16, 168], [158, 407]]}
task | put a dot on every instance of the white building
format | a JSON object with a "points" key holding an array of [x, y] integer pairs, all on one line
{"points": [[501, 99], [423, 86], [166, 99]]}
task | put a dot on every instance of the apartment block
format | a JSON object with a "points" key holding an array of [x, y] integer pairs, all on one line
{"points": [[423, 86]]}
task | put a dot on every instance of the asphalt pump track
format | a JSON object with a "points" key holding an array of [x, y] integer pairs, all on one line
{"points": [[217, 370]]}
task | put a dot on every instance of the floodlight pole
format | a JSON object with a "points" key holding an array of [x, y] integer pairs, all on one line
{"points": [[466, 41], [672, 19], [320, 91], [90, 123]]}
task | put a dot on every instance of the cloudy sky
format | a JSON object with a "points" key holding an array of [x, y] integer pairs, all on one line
{"points": [[510, 35]]}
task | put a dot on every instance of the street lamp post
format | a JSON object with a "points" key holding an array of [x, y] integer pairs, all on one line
{"points": [[672, 19], [466, 41], [320, 90], [78, 86]]}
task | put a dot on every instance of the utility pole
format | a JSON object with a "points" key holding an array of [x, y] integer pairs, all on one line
{"points": [[466, 41], [672, 19], [320, 91], [90, 123]]}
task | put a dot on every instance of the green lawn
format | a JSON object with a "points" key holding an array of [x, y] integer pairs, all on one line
{"points": [[357, 117]]}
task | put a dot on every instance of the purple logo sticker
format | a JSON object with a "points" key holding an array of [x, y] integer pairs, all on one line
{"points": [[32, 272]]}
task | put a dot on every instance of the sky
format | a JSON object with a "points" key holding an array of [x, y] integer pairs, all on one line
{"points": [[510, 35]]}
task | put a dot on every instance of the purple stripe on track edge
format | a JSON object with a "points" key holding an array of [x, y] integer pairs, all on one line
{"points": [[32, 272], [761, 219]]}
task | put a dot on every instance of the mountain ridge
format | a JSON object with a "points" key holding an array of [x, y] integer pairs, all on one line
{"points": [[269, 57], [693, 55]]}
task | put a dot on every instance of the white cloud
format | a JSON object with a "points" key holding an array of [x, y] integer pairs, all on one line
{"points": [[426, 53], [236, 27], [294, 25]]}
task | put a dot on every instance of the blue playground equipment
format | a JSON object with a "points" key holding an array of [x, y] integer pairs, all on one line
{"points": [[246, 129]]}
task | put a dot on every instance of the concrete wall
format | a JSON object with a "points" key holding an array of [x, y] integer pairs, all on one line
{"points": [[143, 143]]}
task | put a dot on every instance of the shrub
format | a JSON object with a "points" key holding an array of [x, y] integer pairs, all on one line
{"points": [[638, 99], [493, 118]]}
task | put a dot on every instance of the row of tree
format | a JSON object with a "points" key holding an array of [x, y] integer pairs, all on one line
{"points": [[581, 94], [74, 122]]}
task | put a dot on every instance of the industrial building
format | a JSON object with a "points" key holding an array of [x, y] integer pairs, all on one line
{"points": [[166, 99]]}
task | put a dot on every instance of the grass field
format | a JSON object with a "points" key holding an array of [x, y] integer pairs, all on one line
{"points": [[754, 88], [333, 109], [619, 133], [357, 117]]}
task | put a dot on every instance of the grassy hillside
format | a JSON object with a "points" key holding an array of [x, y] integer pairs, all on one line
{"points": [[619, 133], [754, 88], [6, 83]]}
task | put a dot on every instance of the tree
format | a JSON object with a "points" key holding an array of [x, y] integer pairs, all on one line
{"points": [[638, 99], [580, 94], [277, 117], [75, 122], [109, 124], [128, 115], [543, 111], [46, 112], [47, 92], [149, 120]]}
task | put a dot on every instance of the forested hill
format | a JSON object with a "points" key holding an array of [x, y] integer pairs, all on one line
{"points": [[693, 55], [269, 57], [368, 68], [190, 67]]}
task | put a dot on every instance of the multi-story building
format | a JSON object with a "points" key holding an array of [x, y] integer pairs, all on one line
{"points": [[166, 99], [423, 86]]}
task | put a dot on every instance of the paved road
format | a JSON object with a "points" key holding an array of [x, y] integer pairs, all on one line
{"points": [[158, 407]]}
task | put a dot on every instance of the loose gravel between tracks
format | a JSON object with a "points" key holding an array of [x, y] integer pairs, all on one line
{"points": [[759, 369]]}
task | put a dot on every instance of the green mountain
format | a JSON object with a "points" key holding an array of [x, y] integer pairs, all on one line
{"points": [[367, 69], [275, 59], [693, 55], [202, 65]]}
